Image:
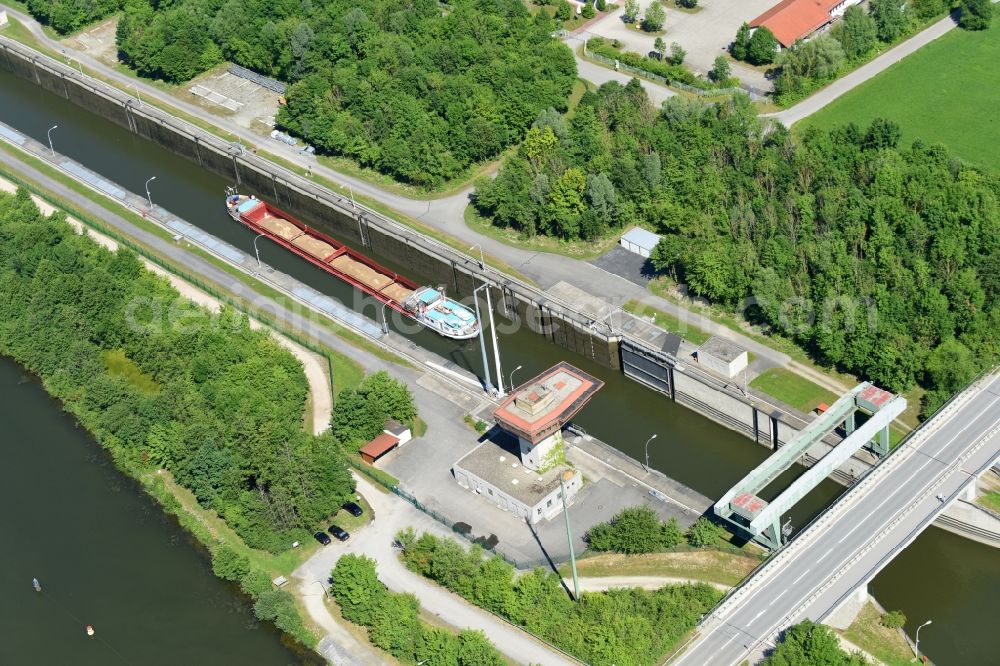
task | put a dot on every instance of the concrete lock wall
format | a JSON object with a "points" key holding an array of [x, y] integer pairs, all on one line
{"points": [[326, 211]]}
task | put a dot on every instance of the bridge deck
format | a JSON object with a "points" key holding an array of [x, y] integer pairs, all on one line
{"points": [[850, 543]]}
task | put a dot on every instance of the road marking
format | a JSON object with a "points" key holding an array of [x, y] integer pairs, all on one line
{"points": [[800, 577], [755, 617], [778, 597], [824, 556]]}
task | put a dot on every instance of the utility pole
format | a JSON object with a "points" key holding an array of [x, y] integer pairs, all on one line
{"points": [[569, 538]]}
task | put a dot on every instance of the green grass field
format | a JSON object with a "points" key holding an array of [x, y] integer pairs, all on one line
{"points": [[792, 389], [944, 93]]}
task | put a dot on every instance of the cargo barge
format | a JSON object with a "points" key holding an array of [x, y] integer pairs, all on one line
{"points": [[426, 305]]}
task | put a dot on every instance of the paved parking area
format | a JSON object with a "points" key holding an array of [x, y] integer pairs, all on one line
{"points": [[628, 265], [704, 34]]}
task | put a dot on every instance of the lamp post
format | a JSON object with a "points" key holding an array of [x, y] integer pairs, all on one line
{"points": [[51, 149], [385, 322], [496, 347], [326, 591], [148, 197], [482, 339], [569, 538], [512, 376], [482, 260], [651, 438], [916, 647], [256, 251]]}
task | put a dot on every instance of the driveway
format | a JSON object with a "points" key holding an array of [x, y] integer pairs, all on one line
{"points": [[375, 540]]}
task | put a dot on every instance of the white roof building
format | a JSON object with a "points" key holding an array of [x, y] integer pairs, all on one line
{"points": [[639, 241]]}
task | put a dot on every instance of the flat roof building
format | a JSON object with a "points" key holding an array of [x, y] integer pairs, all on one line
{"points": [[722, 357], [639, 241], [495, 473]]}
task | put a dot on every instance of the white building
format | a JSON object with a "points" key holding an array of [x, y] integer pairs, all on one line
{"points": [[722, 357], [639, 241]]}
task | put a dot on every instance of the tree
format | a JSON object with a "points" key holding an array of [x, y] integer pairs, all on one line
{"points": [[881, 134], [704, 533], [926, 9], [808, 644], [720, 70], [588, 11], [655, 17], [688, 4], [357, 588], [601, 5], [228, 564], [634, 530], [741, 44], [976, 14], [890, 21], [949, 368], [677, 53], [474, 649], [631, 12], [894, 619], [762, 48], [659, 45], [856, 32], [564, 11]]}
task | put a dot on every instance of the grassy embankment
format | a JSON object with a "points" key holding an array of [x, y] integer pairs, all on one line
{"points": [[946, 93], [711, 566], [990, 500], [886, 645]]}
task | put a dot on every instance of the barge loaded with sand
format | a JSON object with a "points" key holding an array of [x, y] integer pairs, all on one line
{"points": [[426, 305]]}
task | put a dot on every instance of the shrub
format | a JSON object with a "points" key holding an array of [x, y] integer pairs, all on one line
{"points": [[762, 48], [634, 530], [564, 11], [601, 5], [894, 619], [976, 14], [588, 11], [705, 533]]}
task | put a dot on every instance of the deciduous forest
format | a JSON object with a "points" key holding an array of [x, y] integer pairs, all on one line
{"points": [[878, 258], [163, 383], [412, 89]]}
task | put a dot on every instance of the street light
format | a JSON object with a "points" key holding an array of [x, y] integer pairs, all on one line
{"points": [[148, 197], [51, 149], [385, 322], [512, 376], [651, 438], [256, 251], [326, 591], [917, 646], [482, 260]]}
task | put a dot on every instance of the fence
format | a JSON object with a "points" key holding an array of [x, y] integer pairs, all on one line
{"points": [[701, 92]]}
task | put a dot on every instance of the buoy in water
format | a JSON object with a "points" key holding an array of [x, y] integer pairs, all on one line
{"points": [[90, 630], [35, 584]]}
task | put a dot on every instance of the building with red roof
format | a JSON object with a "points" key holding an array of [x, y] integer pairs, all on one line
{"points": [[792, 20]]}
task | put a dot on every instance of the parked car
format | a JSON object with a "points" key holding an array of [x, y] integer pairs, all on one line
{"points": [[322, 538], [353, 509], [655, 55], [339, 532]]}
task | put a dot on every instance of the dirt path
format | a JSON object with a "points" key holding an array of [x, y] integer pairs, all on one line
{"points": [[601, 583], [315, 366]]}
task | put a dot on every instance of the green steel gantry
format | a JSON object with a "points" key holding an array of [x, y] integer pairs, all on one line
{"points": [[742, 507]]}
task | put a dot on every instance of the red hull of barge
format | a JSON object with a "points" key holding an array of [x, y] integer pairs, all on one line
{"points": [[356, 269]]}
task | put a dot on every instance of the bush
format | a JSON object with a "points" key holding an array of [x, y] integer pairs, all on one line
{"points": [[687, 4], [677, 54], [624, 626], [720, 70], [588, 11], [227, 564], [809, 643], [762, 48], [634, 530], [393, 619], [894, 620], [976, 14], [601, 5], [705, 533], [564, 11], [667, 70]]}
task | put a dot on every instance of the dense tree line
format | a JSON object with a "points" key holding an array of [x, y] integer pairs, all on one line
{"points": [[406, 88], [69, 15], [638, 529], [163, 383], [880, 259], [393, 621], [627, 627], [809, 644]]}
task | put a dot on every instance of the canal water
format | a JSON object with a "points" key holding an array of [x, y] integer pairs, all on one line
{"points": [[105, 554], [689, 448]]}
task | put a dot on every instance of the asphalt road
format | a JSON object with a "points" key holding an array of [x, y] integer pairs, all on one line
{"points": [[846, 548]]}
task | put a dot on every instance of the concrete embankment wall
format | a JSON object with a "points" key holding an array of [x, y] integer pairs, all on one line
{"points": [[328, 211]]}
